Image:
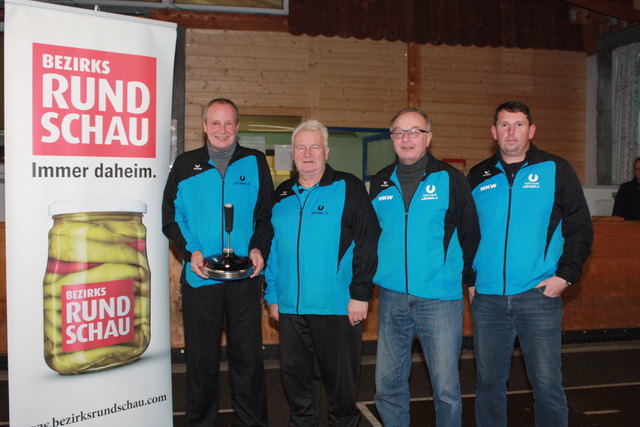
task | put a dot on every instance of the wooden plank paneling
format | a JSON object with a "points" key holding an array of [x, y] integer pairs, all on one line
{"points": [[254, 69], [342, 82], [608, 295], [359, 77], [462, 86], [362, 83]]}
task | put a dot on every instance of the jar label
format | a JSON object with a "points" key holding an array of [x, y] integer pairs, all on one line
{"points": [[97, 314]]}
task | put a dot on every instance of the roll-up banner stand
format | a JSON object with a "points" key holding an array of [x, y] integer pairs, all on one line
{"points": [[87, 134]]}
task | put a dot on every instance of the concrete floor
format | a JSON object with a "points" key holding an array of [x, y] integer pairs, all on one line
{"points": [[602, 383]]}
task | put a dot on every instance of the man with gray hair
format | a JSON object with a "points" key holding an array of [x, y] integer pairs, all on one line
{"points": [[323, 256]]}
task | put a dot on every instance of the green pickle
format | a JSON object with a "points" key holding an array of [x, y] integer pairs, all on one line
{"points": [[96, 287]]}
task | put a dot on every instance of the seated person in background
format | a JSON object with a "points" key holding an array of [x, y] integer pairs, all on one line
{"points": [[627, 204]]}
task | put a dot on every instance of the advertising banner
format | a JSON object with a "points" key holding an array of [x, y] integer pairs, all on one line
{"points": [[87, 133]]}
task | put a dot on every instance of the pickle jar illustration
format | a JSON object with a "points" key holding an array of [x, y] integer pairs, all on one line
{"points": [[96, 286]]}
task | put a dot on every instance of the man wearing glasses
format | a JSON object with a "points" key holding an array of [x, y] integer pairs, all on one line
{"points": [[429, 237]]}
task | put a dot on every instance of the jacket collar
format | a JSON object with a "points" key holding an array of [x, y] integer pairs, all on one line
{"points": [[529, 156], [203, 154], [326, 179]]}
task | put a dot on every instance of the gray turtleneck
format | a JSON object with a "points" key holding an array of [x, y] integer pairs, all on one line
{"points": [[409, 177], [221, 158]]}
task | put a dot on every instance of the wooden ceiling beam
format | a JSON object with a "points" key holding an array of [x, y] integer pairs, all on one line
{"points": [[222, 21], [609, 8]]}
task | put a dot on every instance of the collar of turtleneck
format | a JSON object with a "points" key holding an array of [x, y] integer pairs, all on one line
{"points": [[416, 169], [221, 158], [409, 177]]}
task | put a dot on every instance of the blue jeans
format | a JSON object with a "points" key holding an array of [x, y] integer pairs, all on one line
{"points": [[537, 321], [438, 325]]}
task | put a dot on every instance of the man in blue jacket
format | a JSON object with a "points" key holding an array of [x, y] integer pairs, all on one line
{"points": [[323, 257], [536, 234], [429, 238], [200, 183]]}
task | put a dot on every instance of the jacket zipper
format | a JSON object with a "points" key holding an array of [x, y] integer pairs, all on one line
{"points": [[222, 212], [406, 235], [506, 236], [406, 251], [298, 250]]}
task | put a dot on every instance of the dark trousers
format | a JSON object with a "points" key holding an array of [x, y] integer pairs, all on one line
{"points": [[206, 310], [317, 349]]}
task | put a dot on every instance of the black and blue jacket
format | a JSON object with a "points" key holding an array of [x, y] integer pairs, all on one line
{"points": [[323, 251], [427, 250], [194, 199], [534, 224]]}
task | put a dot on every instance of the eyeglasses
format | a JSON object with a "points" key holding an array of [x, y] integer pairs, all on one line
{"points": [[413, 133]]}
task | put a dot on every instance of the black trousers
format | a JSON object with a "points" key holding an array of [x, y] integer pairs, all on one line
{"points": [[317, 349], [206, 310]]}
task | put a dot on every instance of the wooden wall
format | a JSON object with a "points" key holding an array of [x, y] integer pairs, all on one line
{"points": [[606, 297], [341, 82], [362, 83], [462, 86]]}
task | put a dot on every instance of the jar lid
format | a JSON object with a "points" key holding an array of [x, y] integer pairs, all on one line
{"points": [[80, 206]]}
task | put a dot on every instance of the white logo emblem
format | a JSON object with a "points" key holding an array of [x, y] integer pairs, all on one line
{"points": [[390, 197], [486, 173], [533, 181], [430, 193]]}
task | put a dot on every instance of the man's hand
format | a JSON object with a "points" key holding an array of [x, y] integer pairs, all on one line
{"points": [[357, 311], [273, 312], [197, 263], [472, 293], [258, 262], [554, 286]]}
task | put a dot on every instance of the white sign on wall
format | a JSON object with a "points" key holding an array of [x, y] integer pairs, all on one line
{"points": [[87, 134]]}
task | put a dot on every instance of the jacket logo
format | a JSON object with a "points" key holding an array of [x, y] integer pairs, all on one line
{"points": [[284, 193], [385, 184], [319, 211], [533, 181], [243, 178], [488, 187], [197, 167], [381, 198], [430, 193], [486, 173]]}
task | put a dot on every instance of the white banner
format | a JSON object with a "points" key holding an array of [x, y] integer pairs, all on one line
{"points": [[87, 132]]}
